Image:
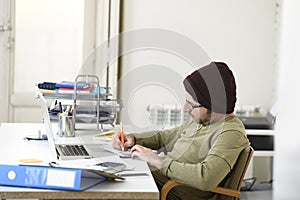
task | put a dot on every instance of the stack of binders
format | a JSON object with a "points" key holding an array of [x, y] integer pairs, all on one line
{"points": [[49, 177]]}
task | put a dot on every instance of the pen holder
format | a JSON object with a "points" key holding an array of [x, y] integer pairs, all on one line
{"points": [[66, 126]]}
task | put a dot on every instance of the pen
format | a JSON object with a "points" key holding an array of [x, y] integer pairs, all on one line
{"points": [[60, 107], [122, 136], [68, 110], [134, 174]]}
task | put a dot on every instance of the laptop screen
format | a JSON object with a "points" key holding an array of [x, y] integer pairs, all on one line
{"points": [[48, 127]]}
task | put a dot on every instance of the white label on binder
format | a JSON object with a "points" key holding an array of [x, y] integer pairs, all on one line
{"points": [[61, 178], [11, 175]]}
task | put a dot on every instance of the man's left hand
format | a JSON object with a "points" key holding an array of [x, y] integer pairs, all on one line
{"points": [[147, 155]]}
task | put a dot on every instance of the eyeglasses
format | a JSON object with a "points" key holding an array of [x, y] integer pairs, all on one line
{"points": [[192, 106]]}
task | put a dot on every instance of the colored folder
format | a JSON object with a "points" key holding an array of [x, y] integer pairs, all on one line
{"points": [[48, 177], [69, 84]]}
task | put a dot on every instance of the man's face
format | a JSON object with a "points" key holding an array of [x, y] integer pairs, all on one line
{"points": [[198, 113]]}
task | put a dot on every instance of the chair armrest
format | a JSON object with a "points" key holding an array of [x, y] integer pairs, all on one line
{"points": [[167, 187], [220, 190], [227, 191]]}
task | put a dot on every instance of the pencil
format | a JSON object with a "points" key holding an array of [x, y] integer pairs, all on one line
{"points": [[122, 136]]}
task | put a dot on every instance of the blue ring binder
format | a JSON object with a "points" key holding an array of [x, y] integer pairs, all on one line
{"points": [[48, 177]]}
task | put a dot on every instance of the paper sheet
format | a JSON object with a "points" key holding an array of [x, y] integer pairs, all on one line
{"points": [[122, 154], [92, 163]]}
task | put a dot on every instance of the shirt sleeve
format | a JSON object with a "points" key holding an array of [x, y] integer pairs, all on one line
{"points": [[157, 139], [207, 174]]}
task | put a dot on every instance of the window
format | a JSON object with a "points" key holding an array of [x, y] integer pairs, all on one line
{"points": [[48, 41]]}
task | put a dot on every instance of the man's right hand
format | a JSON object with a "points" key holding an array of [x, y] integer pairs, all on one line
{"points": [[129, 141]]}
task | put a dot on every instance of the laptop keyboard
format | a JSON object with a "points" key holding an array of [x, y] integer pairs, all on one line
{"points": [[73, 150]]}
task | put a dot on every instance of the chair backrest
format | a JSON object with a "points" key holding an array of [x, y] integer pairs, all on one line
{"points": [[236, 179], [239, 170], [232, 186]]}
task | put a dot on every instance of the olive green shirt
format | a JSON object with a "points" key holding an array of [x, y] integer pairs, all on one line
{"points": [[198, 155]]}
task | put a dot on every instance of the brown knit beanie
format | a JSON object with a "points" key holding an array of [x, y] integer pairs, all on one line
{"points": [[213, 86]]}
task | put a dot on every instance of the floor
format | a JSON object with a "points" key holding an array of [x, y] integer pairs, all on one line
{"points": [[258, 192], [257, 195]]}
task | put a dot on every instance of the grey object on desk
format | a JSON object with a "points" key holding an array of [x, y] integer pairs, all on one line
{"points": [[258, 121]]}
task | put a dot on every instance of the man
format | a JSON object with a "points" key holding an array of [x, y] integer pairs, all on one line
{"points": [[201, 152]]}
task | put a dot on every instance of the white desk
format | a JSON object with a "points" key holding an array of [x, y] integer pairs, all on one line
{"points": [[13, 147]]}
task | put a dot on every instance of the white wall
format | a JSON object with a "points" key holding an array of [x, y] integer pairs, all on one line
{"points": [[241, 33], [287, 142]]}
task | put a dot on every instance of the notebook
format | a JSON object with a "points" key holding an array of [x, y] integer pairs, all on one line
{"points": [[64, 151]]}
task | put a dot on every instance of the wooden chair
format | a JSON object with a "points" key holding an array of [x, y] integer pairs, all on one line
{"points": [[232, 185]]}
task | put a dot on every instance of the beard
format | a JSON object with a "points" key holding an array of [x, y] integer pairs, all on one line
{"points": [[204, 119]]}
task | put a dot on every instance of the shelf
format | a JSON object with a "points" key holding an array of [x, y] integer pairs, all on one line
{"points": [[259, 132], [259, 153], [95, 106], [79, 96]]}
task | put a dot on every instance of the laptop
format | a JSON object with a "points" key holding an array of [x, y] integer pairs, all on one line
{"points": [[65, 151]]}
